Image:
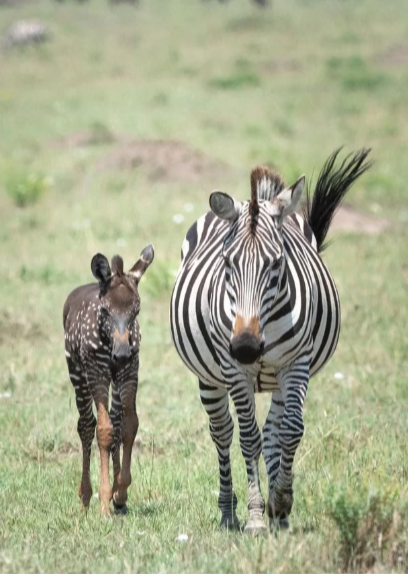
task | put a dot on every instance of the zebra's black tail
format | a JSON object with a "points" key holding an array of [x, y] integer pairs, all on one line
{"points": [[331, 187]]}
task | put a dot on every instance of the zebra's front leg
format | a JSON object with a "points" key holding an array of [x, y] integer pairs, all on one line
{"points": [[293, 383], [215, 401], [251, 446], [271, 447]]}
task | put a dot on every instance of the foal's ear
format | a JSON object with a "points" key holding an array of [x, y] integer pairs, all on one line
{"points": [[287, 201], [100, 268], [224, 206], [146, 257]]}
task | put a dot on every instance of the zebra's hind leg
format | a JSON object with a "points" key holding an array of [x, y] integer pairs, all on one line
{"points": [[215, 401], [293, 383], [86, 429], [251, 447], [272, 451]]}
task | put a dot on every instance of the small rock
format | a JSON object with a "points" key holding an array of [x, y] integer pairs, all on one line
{"points": [[178, 218], [188, 207], [25, 32]]}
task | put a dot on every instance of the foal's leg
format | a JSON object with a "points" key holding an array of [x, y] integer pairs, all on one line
{"points": [[215, 401], [116, 414], [86, 428], [104, 432], [130, 424]]}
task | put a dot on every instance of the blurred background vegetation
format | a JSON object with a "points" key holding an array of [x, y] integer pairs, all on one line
{"points": [[117, 120]]}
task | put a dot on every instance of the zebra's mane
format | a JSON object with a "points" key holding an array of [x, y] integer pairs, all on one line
{"points": [[265, 184]]}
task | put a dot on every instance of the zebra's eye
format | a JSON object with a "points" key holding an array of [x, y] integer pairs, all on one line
{"points": [[276, 264]]}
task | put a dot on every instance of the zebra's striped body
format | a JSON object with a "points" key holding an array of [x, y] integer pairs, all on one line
{"points": [[255, 309], [307, 304]]}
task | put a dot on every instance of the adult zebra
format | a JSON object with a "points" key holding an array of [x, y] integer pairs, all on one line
{"points": [[255, 309]]}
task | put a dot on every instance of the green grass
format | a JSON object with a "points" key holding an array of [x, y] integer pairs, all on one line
{"points": [[285, 87]]}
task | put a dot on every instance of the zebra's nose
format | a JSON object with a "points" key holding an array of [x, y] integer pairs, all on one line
{"points": [[246, 347]]}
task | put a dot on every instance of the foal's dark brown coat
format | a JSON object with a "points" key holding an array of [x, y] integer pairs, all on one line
{"points": [[102, 339]]}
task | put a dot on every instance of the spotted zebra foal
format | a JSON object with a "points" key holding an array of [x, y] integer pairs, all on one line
{"points": [[102, 340]]}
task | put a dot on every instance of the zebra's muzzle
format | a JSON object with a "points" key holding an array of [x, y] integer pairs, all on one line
{"points": [[246, 347]]}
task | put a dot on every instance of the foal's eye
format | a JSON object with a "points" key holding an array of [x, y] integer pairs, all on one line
{"points": [[133, 316], [104, 313]]}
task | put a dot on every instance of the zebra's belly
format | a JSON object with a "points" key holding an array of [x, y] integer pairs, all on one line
{"points": [[198, 357]]}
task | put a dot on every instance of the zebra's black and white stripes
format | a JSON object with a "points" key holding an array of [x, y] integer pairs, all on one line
{"points": [[255, 309]]}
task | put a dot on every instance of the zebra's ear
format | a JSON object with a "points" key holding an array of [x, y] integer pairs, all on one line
{"points": [[100, 268], [287, 201], [224, 206], [146, 257]]}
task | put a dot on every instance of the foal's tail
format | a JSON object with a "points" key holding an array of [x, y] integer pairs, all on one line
{"points": [[332, 185]]}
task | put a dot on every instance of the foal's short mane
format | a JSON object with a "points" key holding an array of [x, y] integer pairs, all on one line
{"points": [[265, 185]]}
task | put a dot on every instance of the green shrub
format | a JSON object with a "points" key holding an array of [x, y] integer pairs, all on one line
{"points": [[238, 79], [368, 522], [159, 281], [100, 134], [25, 186], [355, 73]]}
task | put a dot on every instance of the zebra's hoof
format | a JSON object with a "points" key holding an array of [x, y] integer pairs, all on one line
{"points": [[255, 527], [230, 523], [120, 509]]}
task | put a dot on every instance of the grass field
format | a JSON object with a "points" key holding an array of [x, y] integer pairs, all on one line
{"points": [[81, 171]]}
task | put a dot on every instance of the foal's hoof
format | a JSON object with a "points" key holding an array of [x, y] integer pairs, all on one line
{"points": [[255, 527], [279, 524], [230, 523], [120, 509]]}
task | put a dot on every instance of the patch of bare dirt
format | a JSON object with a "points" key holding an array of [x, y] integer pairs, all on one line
{"points": [[394, 56], [98, 135], [175, 161], [14, 326], [67, 448], [348, 219], [164, 160]]}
